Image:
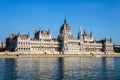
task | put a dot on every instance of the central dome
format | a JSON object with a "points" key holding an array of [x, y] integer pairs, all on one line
{"points": [[65, 26], [65, 32]]}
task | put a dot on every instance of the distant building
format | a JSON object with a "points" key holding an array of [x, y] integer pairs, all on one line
{"points": [[2, 46], [117, 48], [43, 43]]}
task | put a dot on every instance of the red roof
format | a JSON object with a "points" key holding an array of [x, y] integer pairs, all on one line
{"points": [[21, 36], [43, 32], [87, 36], [13, 36], [66, 26]]}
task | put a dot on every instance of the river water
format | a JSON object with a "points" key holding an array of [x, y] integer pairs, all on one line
{"points": [[60, 69]]}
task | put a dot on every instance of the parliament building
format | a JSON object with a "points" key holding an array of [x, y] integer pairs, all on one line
{"points": [[43, 43]]}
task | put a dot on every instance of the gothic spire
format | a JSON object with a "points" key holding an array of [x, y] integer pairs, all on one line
{"points": [[110, 39], [48, 30], [18, 34], [65, 21], [28, 34], [105, 38], [91, 34], [35, 31], [80, 33], [80, 29], [84, 32]]}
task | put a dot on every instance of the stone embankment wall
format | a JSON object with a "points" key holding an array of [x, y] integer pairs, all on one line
{"points": [[16, 55]]}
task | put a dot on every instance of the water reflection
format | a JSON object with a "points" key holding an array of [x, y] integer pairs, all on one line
{"points": [[60, 74], [117, 68], [60, 69], [10, 72], [2, 70]]}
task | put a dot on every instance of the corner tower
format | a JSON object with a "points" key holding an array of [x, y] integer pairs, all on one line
{"points": [[80, 35]]}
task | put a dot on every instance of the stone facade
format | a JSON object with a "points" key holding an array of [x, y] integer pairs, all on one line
{"points": [[43, 43]]}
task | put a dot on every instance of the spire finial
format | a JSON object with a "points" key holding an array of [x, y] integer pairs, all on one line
{"points": [[28, 33], [18, 33], [49, 30], [91, 33], [84, 32], [105, 38], [35, 31], [110, 39], [65, 20], [80, 28]]}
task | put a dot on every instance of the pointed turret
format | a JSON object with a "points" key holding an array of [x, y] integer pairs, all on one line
{"points": [[84, 32], [35, 31], [80, 37], [105, 38], [80, 32], [18, 34], [28, 34], [110, 39], [49, 30], [65, 21], [91, 34]]}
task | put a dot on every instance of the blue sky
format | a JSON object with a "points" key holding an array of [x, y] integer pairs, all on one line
{"points": [[102, 17]]}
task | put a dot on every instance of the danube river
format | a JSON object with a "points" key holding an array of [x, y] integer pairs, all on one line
{"points": [[60, 69]]}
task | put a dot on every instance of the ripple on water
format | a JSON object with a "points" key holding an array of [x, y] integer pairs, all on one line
{"points": [[60, 69]]}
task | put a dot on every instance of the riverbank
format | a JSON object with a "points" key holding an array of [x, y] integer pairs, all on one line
{"points": [[15, 55]]}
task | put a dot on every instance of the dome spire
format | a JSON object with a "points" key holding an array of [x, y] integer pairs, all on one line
{"points": [[65, 21]]}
